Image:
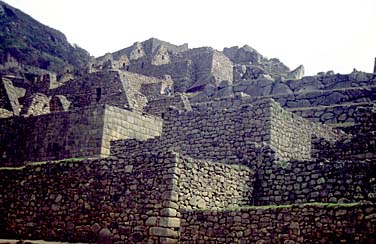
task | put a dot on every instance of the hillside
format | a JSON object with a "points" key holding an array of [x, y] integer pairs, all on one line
{"points": [[35, 44]]}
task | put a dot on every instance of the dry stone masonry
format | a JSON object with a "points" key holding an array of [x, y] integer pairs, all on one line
{"points": [[160, 143]]}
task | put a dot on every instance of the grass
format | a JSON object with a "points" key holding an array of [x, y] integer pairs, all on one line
{"points": [[66, 160], [312, 204]]}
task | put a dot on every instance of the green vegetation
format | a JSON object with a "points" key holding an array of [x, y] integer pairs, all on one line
{"points": [[32, 43], [313, 204], [67, 160]]}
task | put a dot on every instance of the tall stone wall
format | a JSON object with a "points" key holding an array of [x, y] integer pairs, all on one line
{"points": [[123, 124], [225, 130], [286, 224], [218, 134], [143, 197], [76, 133], [52, 136], [291, 135]]}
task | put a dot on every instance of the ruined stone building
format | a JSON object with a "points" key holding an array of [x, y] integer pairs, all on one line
{"points": [[160, 143]]}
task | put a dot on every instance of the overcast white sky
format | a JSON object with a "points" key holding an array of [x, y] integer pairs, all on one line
{"points": [[322, 35]]}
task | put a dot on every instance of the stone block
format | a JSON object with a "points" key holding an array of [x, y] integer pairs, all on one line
{"points": [[169, 212], [163, 232], [169, 222]]}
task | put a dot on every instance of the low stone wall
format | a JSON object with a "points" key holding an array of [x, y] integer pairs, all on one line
{"points": [[286, 224], [159, 106], [337, 114], [292, 182], [208, 185], [312, 89], [327, 97]]}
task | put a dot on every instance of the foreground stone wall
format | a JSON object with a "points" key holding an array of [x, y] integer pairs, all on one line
{"points": [[286, 224], [143, 197], [83, 201]]}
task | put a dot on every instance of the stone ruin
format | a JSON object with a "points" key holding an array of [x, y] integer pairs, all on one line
{"points": [[159, 143]]}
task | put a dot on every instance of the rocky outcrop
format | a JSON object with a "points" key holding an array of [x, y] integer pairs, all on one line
{"points": [[32, 43]]}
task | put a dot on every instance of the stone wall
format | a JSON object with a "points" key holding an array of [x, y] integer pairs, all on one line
{"points": [[291, 135], [222, 67], [360, 145], [159, 106], [265, 87], [180, 71], [9, 95], [83, 201], [224, 129], [327, 97], [52, 136], [36, 104], [105, 87], [338, 115], [123, 124], [281, 182], [143, 196], [209, 185], [76, 133], [286, 224], [218, 134]]}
